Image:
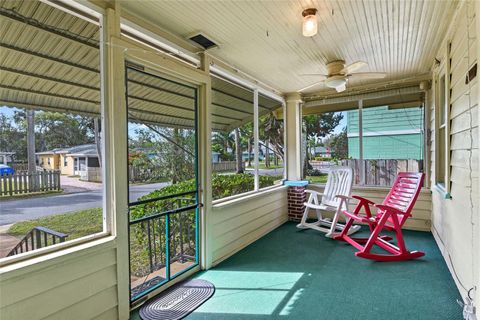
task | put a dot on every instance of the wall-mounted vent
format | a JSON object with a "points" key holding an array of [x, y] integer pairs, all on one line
{"points": [[472, 73], [203, 41]]}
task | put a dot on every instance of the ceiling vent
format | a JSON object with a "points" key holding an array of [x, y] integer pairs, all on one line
{"points": [[203, 41]]}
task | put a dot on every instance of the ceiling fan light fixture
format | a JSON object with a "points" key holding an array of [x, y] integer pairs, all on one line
{"points": [[310, 23], [335, 82]]}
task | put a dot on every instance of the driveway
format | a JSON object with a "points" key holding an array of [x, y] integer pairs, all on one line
{"points": [[12, 211]]}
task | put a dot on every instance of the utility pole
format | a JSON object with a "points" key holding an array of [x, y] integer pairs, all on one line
{"points": [[32, 166], [31, 140]]}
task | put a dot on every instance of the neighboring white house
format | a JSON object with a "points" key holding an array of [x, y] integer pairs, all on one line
{"points": [[6, 157]]}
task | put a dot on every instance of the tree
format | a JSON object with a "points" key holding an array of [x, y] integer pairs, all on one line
{"points": [[272, 131], [221, 143], [339, 144], [60, 130], [238, 151], [12, 137], [318, 126]]}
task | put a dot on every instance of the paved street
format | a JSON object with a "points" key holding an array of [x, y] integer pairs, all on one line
{"points": [[12, 211]]}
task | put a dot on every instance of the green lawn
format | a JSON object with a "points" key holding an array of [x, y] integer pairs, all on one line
{"points": [[318, 179], [76, 224]]}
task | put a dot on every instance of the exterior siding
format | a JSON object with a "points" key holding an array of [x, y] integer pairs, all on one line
{"points": [[380, 140], [238, 223], [67, 170], [405, 146], [54, 162], [455, 220], [82, 283]]}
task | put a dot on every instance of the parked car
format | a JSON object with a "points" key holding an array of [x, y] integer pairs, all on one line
{"points": [[6, 170]]}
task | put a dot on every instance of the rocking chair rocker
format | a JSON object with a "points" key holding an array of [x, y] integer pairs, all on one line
{"points": [[335, 199], [391, 215]]}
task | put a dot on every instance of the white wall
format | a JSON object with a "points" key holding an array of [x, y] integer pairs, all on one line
{"points": [[77, 283], [239, 222], [455, 220]]}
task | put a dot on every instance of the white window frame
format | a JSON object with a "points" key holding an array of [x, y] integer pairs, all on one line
{"points": [[361, 134], [256, 149], [86, 12], [443, 151]]}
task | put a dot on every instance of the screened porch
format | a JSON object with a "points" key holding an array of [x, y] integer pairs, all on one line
{"points": [[204, 118]]}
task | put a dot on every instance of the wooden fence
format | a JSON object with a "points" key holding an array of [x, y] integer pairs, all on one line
{"points": [[23, 182], [382, 172], [19, 166], [224, 166]]}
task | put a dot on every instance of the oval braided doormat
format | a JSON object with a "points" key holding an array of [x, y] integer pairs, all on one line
{"points": [[178, 301]]}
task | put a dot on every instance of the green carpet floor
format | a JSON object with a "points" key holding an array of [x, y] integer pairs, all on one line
{"points": [[293, 274]]}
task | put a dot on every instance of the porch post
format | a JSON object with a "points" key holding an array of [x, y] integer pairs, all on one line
{"points": [[115, 135], [293, 129], [205, 168]]}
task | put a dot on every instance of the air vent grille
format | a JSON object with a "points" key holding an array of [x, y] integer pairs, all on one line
{"points": [[203, 41]]}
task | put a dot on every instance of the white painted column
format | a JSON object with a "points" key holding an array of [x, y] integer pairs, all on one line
{"points": [[360, 142], [293, 129], [255, 140], [115, 135], [205, 167]]}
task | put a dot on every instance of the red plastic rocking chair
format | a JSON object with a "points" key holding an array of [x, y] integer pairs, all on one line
{"points": [[391, 215]]}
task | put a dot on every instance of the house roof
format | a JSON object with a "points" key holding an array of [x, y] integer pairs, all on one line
{"points": [[51, 61], [81, 150]]}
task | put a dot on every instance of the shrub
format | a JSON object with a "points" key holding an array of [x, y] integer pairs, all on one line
{"points": [[222, 186]]}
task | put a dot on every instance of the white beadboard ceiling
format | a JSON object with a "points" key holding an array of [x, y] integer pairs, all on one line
{"points": [[264, 39]]}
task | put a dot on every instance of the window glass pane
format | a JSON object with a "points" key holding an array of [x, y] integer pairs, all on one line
{"points": [[271, 142], [232, 139], [442, 100], [325, 143], [441, 156], [161, 136], [392, 142], [49, 118]]}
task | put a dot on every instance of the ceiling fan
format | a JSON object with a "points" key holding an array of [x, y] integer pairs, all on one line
{"points": [[339, 74]]}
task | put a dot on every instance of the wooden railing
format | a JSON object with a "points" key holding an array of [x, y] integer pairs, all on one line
{"points": [[22, 182], [37, 238]]}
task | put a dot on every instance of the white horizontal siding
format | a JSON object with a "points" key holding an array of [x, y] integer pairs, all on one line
{"points": [[453, 219], [241, 222], [80, 284]]}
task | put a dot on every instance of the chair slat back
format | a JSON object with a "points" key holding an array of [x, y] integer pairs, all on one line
{"points": [[339, 182], [404, 192]]}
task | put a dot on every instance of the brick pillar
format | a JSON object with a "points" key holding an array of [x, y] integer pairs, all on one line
{"points": [[296, 198]]}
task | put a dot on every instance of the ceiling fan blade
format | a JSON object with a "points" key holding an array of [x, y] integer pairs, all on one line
{"points": [[318, 75], [311, 86], [341, 88], [353, 66], [368, 75]]}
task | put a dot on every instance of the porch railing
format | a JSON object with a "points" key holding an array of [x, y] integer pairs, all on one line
{"points": [[37, 238], [150, 237]]}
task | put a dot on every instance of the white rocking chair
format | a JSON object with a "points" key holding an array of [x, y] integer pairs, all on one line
{"points": [[339, 183]]}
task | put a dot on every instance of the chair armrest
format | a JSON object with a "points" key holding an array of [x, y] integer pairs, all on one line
{"points": [[362, 199], [389, 208], [314, 192]]}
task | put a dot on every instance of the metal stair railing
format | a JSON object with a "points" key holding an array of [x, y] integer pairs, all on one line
{"points": [[37, 238]]}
